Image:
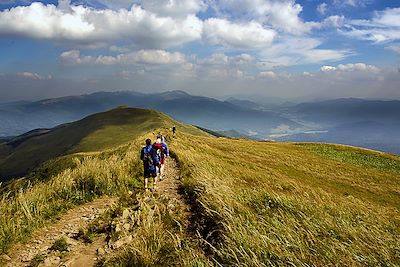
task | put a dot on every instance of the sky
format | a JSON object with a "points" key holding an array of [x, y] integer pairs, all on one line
{"points": [[304, 50]]}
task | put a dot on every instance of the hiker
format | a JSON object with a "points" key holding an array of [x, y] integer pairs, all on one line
{"points": [[162, 152], [150, 163], [173, 131]]}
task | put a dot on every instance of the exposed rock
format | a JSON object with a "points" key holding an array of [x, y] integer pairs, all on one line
{"points": [[52, 261], [118, 228], [125, 214], [127, 226], [119, 243], [5, 257], [67, 263], [100, 251], [26, 258], [45, 248], [70, 241]]}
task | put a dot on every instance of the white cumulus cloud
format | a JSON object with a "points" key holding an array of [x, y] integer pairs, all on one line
{"points": [[321, 8], [237, 35], [334, 21], [394, 48], [356, 67], [88, 25], [298, 51], [174, 8], [152, 57], [351, 3], [282, 15], [267, 74], [328, 68], [383, 27]]}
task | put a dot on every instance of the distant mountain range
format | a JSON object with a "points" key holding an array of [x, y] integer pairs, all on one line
{"points": [[368, 123], [21, 117], [350, 110]]}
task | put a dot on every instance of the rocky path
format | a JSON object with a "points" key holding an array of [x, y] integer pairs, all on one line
{"points": [[40, 251], [168, 189]]}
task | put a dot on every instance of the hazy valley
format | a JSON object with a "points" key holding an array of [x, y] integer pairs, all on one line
{"points": [[367, 123]]}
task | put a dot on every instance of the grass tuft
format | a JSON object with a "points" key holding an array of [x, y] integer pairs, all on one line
{"points": [[60, 245], [36, 261]]}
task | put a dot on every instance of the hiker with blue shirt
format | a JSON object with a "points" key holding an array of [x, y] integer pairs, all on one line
{"points": [[150, 163]]}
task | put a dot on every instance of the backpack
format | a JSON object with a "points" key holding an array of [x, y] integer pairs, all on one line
{"points": [[158, 149], [145, 157]]}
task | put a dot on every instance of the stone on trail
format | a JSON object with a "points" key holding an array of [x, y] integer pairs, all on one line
{"points": [[5, 257], [52, 261], [70, 241], [100, 252], [125, 214], [119, 243]]}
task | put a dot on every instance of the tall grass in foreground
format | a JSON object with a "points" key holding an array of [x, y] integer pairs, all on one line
{"points": [[29, 207], [252, 204], [26, 206], [276, 204], [161, 236]]}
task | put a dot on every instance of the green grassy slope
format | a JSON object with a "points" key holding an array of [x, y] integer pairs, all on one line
{"points": [[93, 133], [282, 204]]}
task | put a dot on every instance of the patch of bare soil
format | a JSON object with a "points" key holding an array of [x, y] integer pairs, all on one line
{"points": [[39, 250]]}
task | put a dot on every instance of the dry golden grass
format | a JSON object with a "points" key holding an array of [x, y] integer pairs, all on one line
{"points": [[30, 206], [281, 204], [253, 204], [159, 238], [64, 182], [26, 206]]}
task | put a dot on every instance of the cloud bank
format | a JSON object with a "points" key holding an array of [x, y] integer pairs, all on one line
{"points": [[205, 46]]}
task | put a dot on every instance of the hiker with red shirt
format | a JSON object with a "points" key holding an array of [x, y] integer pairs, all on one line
{"points": [[162, 152]]}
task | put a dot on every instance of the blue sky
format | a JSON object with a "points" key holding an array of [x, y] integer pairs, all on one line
{"points": [[292, 49]]}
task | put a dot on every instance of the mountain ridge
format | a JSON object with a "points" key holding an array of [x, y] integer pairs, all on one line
{"points": [[96, 132], [247, 118], [50, 112]]}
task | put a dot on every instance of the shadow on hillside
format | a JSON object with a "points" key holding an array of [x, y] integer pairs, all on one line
{"points": [[20, 156]]}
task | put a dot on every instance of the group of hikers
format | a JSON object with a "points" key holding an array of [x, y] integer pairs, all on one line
{"points": [[154, 157]]}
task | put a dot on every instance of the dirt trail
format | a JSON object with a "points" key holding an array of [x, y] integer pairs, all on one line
{"points": [[68, 225], [168, 188], [79, 253]]}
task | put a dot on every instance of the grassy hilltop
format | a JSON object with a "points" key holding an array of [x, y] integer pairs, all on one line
{"points": [[252, 203], [94, 133]]}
